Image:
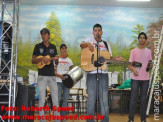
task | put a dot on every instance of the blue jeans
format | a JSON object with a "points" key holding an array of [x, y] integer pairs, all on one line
{"points": [[64, 92], [135, 85], [103, 95]]}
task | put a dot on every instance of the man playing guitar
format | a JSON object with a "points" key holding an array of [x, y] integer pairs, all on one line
{"points": [[102, 88]]}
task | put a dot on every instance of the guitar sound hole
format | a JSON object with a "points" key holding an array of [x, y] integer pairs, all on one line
{"points": [[101, 60]]}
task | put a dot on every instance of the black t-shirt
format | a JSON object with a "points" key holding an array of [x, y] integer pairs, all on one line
{"points": [[41, 50]]}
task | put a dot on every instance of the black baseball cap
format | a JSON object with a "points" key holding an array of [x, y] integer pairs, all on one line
{"points": [[45, 30]]}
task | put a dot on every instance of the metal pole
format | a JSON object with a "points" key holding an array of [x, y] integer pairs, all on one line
{"points": [[2, 15], [155, 72], [16, 44], [12, 55]]}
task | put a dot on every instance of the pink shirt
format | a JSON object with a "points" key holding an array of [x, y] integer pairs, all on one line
{"points": [[143, 56]]}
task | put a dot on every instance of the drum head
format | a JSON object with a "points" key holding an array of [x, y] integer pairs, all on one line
{"points": [[68, 82]]}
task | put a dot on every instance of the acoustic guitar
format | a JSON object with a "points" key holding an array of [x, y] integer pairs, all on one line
{"points": [[88, 59], [41, 64]]}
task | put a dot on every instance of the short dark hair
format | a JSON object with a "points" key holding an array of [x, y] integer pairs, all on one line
{"points": [[45, 30], [63, 45], [97, 25], [142, 33]]}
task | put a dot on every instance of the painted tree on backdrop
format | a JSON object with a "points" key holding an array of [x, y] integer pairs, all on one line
{"points": [[24, 57], [154, 30], [74, 53], [53, 25], [136, 30]]}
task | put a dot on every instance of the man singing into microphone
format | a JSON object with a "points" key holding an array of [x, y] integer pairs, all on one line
{"points": [[140, 77], [102, 85]]}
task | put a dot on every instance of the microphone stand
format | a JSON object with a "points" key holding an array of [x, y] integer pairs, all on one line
{"points": [[97, 75]]}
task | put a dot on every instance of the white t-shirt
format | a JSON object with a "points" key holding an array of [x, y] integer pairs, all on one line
{"points": [[63, 67], [102, 47]]}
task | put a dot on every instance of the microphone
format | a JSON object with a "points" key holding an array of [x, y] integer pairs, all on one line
{"points": [[98, 35], [148, 66], [96, 64]]}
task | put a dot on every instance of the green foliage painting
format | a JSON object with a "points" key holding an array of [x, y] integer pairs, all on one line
{"points": [[55, 30], [72, 24]]}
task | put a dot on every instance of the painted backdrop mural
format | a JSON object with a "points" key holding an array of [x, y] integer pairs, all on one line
{"points": [[72, 24]]}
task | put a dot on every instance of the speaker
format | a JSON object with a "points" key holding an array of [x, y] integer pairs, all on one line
{"points": [[4, 98], [25, 98], [6, 47]]}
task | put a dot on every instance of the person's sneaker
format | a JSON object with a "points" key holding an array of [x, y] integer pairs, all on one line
{"points": [[130, 121]]}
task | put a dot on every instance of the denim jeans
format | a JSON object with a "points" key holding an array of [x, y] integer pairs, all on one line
{"points": [[43, 81], [135, 86], [64, 93], [103, 95]]}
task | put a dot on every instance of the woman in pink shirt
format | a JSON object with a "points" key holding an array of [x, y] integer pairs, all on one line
{"points": [[140, 77]]}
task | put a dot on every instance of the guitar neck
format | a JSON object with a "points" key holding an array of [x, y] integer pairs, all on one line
{"points": [[119, 62]]}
